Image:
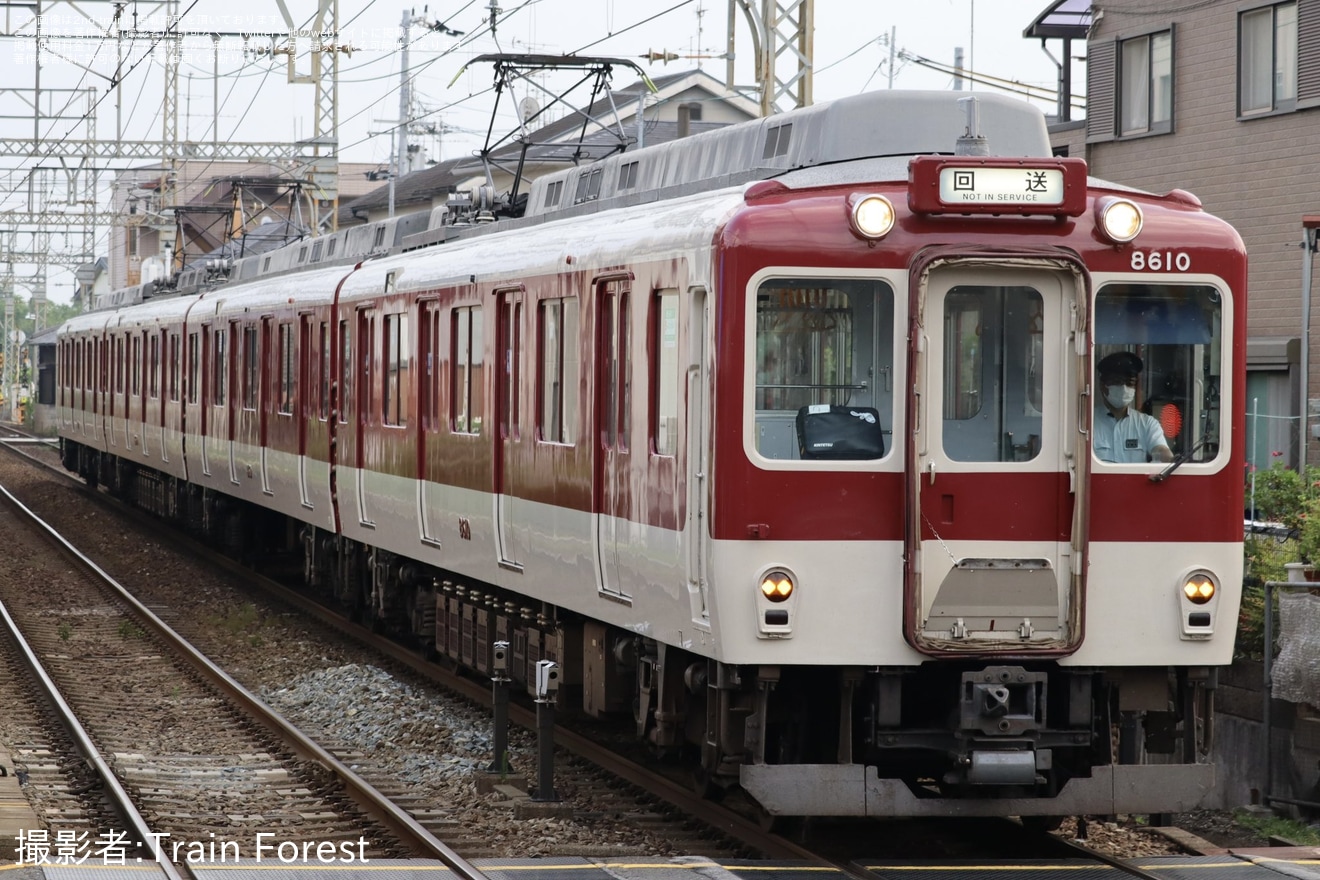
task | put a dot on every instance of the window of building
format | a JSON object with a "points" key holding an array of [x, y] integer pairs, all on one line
{"points": [[558, 369], [664, 393], [465, 401], [396, 369], [1146, 84], [1267, 59], [287, 368]]}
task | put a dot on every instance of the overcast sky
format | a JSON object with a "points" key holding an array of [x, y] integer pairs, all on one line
{"points": [[852, 48]]}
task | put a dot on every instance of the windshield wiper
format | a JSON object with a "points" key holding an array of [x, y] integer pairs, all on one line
{"points": [[1178, 461]]}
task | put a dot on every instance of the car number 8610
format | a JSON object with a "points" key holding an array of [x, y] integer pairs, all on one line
{"points": [[1161, 261]]}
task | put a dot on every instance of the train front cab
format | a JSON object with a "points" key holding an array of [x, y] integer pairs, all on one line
{"points": [[1019, 627]]}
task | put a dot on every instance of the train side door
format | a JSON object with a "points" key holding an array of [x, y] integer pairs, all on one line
{"points": [[698, 437], [362, 378], [611, 436], [429, 416], [207, 396], [236, 389], [306, 405], [993, 460], [508, 375], [270, 353]]}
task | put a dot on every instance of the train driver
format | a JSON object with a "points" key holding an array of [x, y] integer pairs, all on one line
{"points": [[1120, 433]]}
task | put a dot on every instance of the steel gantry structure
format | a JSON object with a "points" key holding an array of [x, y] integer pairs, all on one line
{"points": [[52, 191], [782, 48]]}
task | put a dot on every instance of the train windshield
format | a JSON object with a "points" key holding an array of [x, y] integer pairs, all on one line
{"points": [[1159, 358], [824, 368]]}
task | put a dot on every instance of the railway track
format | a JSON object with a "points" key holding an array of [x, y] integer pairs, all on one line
{"points": [[176, 740]]}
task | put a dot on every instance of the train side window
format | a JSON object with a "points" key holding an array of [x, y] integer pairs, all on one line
{"points": [[428, 349], [1176, 332], [135, 367], [220, 368], [558, 367], [194, 366], [822, 342], [324, 349], [287, 370], [345, 372], [174, 368], [251, 367], [153, 368], [465, 400], [396, 356], [664, 372]]}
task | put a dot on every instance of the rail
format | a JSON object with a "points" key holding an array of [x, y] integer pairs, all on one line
{"points": [[377, 806], [133, 820]]}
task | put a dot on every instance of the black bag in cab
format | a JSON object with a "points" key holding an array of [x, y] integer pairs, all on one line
{"points": [[839, 432]]}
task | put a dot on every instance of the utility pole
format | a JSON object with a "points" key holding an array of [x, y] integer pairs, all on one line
{"points": [[397, 167]]}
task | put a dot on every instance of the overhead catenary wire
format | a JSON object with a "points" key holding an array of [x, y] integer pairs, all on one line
{"points": [[171, 28]]}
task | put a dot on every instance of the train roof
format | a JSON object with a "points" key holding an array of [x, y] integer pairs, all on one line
{"points": [[870, 136]]}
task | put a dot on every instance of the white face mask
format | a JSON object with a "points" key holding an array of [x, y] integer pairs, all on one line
{"points": [[1120, 396]]}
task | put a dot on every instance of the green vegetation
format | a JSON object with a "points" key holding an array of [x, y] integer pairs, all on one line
{"points": [[66, 631], [240, 620], [130, 630], [1281, 496], [1276, 826]]}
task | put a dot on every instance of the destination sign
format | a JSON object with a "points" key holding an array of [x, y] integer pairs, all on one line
{"points": [[988, 185], [1053, 186]]}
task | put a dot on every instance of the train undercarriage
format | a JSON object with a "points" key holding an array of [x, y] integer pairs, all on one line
{"points": [[977, 731]]}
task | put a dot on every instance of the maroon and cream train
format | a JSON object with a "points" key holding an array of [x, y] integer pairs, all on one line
{"points": [[776, 438]]}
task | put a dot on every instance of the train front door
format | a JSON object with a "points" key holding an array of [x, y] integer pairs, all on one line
{"points": [[611, 436], [993, 461]]}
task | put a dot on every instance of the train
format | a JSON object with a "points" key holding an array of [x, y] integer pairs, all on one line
{"points": [[776, 439]]}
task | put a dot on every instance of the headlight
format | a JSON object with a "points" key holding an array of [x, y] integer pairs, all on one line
{"points": [[873, 216], [1119, 219], [1199, 588], [776, 586]]}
